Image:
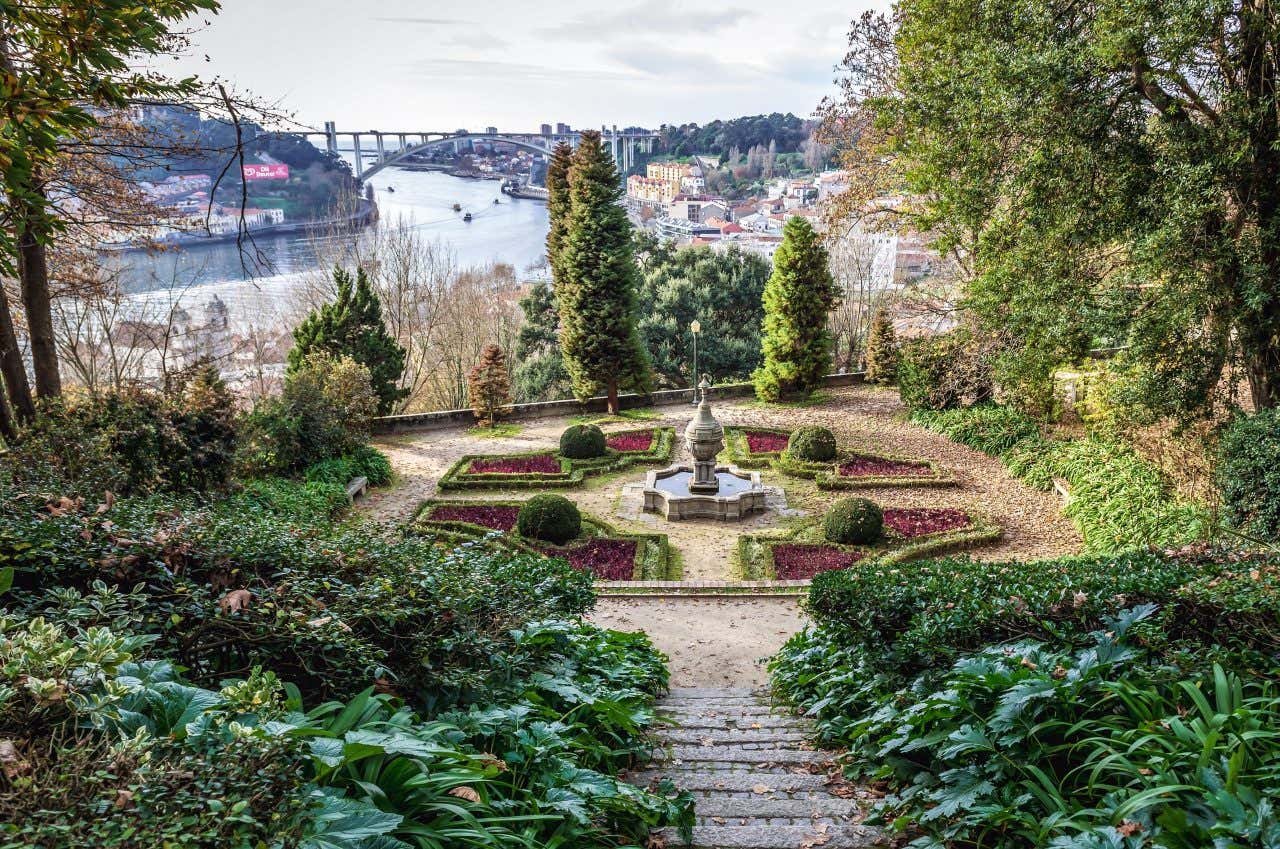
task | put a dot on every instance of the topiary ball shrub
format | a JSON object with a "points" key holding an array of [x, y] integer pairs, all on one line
{"points": [[853, 521], [550, 518], [813, 443], [582, 442], [1248, 473]]}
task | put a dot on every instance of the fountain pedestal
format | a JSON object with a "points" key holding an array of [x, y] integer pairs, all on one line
{"points": [[703, 489]]}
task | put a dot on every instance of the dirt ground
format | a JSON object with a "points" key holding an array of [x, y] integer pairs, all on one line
{"points": [[717, 642]]}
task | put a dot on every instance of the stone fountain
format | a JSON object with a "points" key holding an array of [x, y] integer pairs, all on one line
{"points": [[703, 490]]}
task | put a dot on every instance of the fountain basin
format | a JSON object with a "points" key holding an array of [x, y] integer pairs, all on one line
{"points": [[668, 493]]}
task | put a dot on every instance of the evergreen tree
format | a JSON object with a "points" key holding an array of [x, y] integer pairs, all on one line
{"points": [[558, 204], [539, 373], [352, 327], [596, 281], [797, 300], [882, 349], [490, 386]]}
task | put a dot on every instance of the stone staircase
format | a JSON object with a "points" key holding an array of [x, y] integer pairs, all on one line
{"points": [[757, 784]]}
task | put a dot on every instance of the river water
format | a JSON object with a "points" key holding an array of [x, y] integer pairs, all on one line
{"points": [[512, 231]]}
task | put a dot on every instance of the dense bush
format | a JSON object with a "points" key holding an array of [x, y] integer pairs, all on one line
{"points": [[139, 441], [1112, 749], [882, 349], [549, 517], [365, 461], [1248, 473], [943, 371], [582, 442], [812, 443], [853, 521], [1118, 500], [920, 615], [324, 411]]}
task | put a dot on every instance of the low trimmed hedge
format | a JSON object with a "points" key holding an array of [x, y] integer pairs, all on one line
{"points": [[754, 553], [827, 475], [572, 472], [911, 616], [654, 558], [739, 453]]}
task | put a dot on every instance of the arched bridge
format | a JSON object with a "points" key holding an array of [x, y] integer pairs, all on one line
{"points": [[391, 147]]}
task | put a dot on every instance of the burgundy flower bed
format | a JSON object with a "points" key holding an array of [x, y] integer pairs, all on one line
{"points": [[607, 559], [539, 464], [498, 518], [760, 442], [877, 467], [918, 521], [641, 441], [793, 562]]}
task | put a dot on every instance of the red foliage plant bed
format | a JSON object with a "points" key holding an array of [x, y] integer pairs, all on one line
{"points": [[793, 562], [762, 442], [497, 517], [918, 521], [630, 442], [539, 464], [607, 559], [860, 466]]}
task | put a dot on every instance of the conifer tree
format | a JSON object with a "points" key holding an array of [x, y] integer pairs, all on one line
{"points": [[882, 349], [797, 300], [557, 204], [596, 281], [490, 386], [352, 327], [539, 374]]}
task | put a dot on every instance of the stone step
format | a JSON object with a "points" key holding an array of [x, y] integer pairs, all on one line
{"points": [[781, 786], [723, 721], [737, 755], [777, 837], [720, 693], [708, 708], [762, 738], [736, 806]]}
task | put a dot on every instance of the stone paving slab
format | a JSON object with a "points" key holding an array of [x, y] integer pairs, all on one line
{"points": [[763, 738], [740, 755], [736, 806], [777, 837], [729, 722], [782, 786]]}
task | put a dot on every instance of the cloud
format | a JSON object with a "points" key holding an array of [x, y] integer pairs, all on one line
{"points": [[663, 17], [437, 22], [483, 69], [659, 61]]}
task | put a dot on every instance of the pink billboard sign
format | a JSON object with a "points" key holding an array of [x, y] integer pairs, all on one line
{"points": [[266, 172]]}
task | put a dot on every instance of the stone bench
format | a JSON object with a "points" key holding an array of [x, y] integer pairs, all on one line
{"points": [[358, 487]]}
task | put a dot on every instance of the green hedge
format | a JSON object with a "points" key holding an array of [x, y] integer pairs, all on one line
{"points": [[916, 615], [1248, 473], [1117, 499], [827, 475], [738, 452], [572, 472]]}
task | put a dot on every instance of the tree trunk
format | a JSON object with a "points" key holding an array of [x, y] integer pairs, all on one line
{"points": [[7, 429], [12, 366], [1263, 371], [33, 273], [613, 396]]}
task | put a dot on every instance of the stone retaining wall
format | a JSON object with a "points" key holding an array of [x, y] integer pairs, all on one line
{"points": [[439, 419]]}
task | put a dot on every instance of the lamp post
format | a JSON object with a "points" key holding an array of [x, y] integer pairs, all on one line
{"points": [[695, 327]]}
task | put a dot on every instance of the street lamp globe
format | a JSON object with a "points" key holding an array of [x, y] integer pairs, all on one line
{"points": [[695, 326]]}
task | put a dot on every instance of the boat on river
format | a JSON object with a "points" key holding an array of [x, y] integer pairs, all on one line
{"points": [[467, 217], [457, 207]]}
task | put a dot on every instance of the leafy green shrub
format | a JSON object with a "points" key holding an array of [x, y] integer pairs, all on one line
{"points": [[943, 371], [1108, 744], [366, 461], [882, 349], [853, 521], [919, 615], [812, 443], [549, 517], [582, 442], [1248, 473], [989, 428], [324, 411]]}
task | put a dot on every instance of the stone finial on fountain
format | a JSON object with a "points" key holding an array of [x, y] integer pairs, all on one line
{"points": [[704, 438]]}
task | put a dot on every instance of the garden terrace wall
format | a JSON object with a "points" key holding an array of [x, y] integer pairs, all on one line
{"points": [[440, 419]]}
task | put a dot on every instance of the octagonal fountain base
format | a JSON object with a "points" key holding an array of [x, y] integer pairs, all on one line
{"points": [[667, 492]]}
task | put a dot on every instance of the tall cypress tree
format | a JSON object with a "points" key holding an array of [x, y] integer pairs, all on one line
{"points": [[557, 204], [596, 286], [798, 298], [352, 326]]}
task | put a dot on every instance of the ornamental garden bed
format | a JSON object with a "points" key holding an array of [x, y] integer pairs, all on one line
{"points": [[910, 533], [547, 469], [601, 550], [754, 447], [763, 448]]}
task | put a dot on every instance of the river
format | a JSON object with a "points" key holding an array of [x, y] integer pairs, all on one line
{"points": [[512, 231]]}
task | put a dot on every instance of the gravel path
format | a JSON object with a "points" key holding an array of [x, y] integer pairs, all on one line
{"points": [[715, 642]]}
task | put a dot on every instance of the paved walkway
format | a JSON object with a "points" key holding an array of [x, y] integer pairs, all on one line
{"points": [[756, 783]]}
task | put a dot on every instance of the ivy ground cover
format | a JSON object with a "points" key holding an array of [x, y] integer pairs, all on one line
{"points": [[910, 533], [601, 550]]}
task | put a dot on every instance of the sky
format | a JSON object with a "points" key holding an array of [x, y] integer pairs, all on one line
{"points": [[418, 65]]}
